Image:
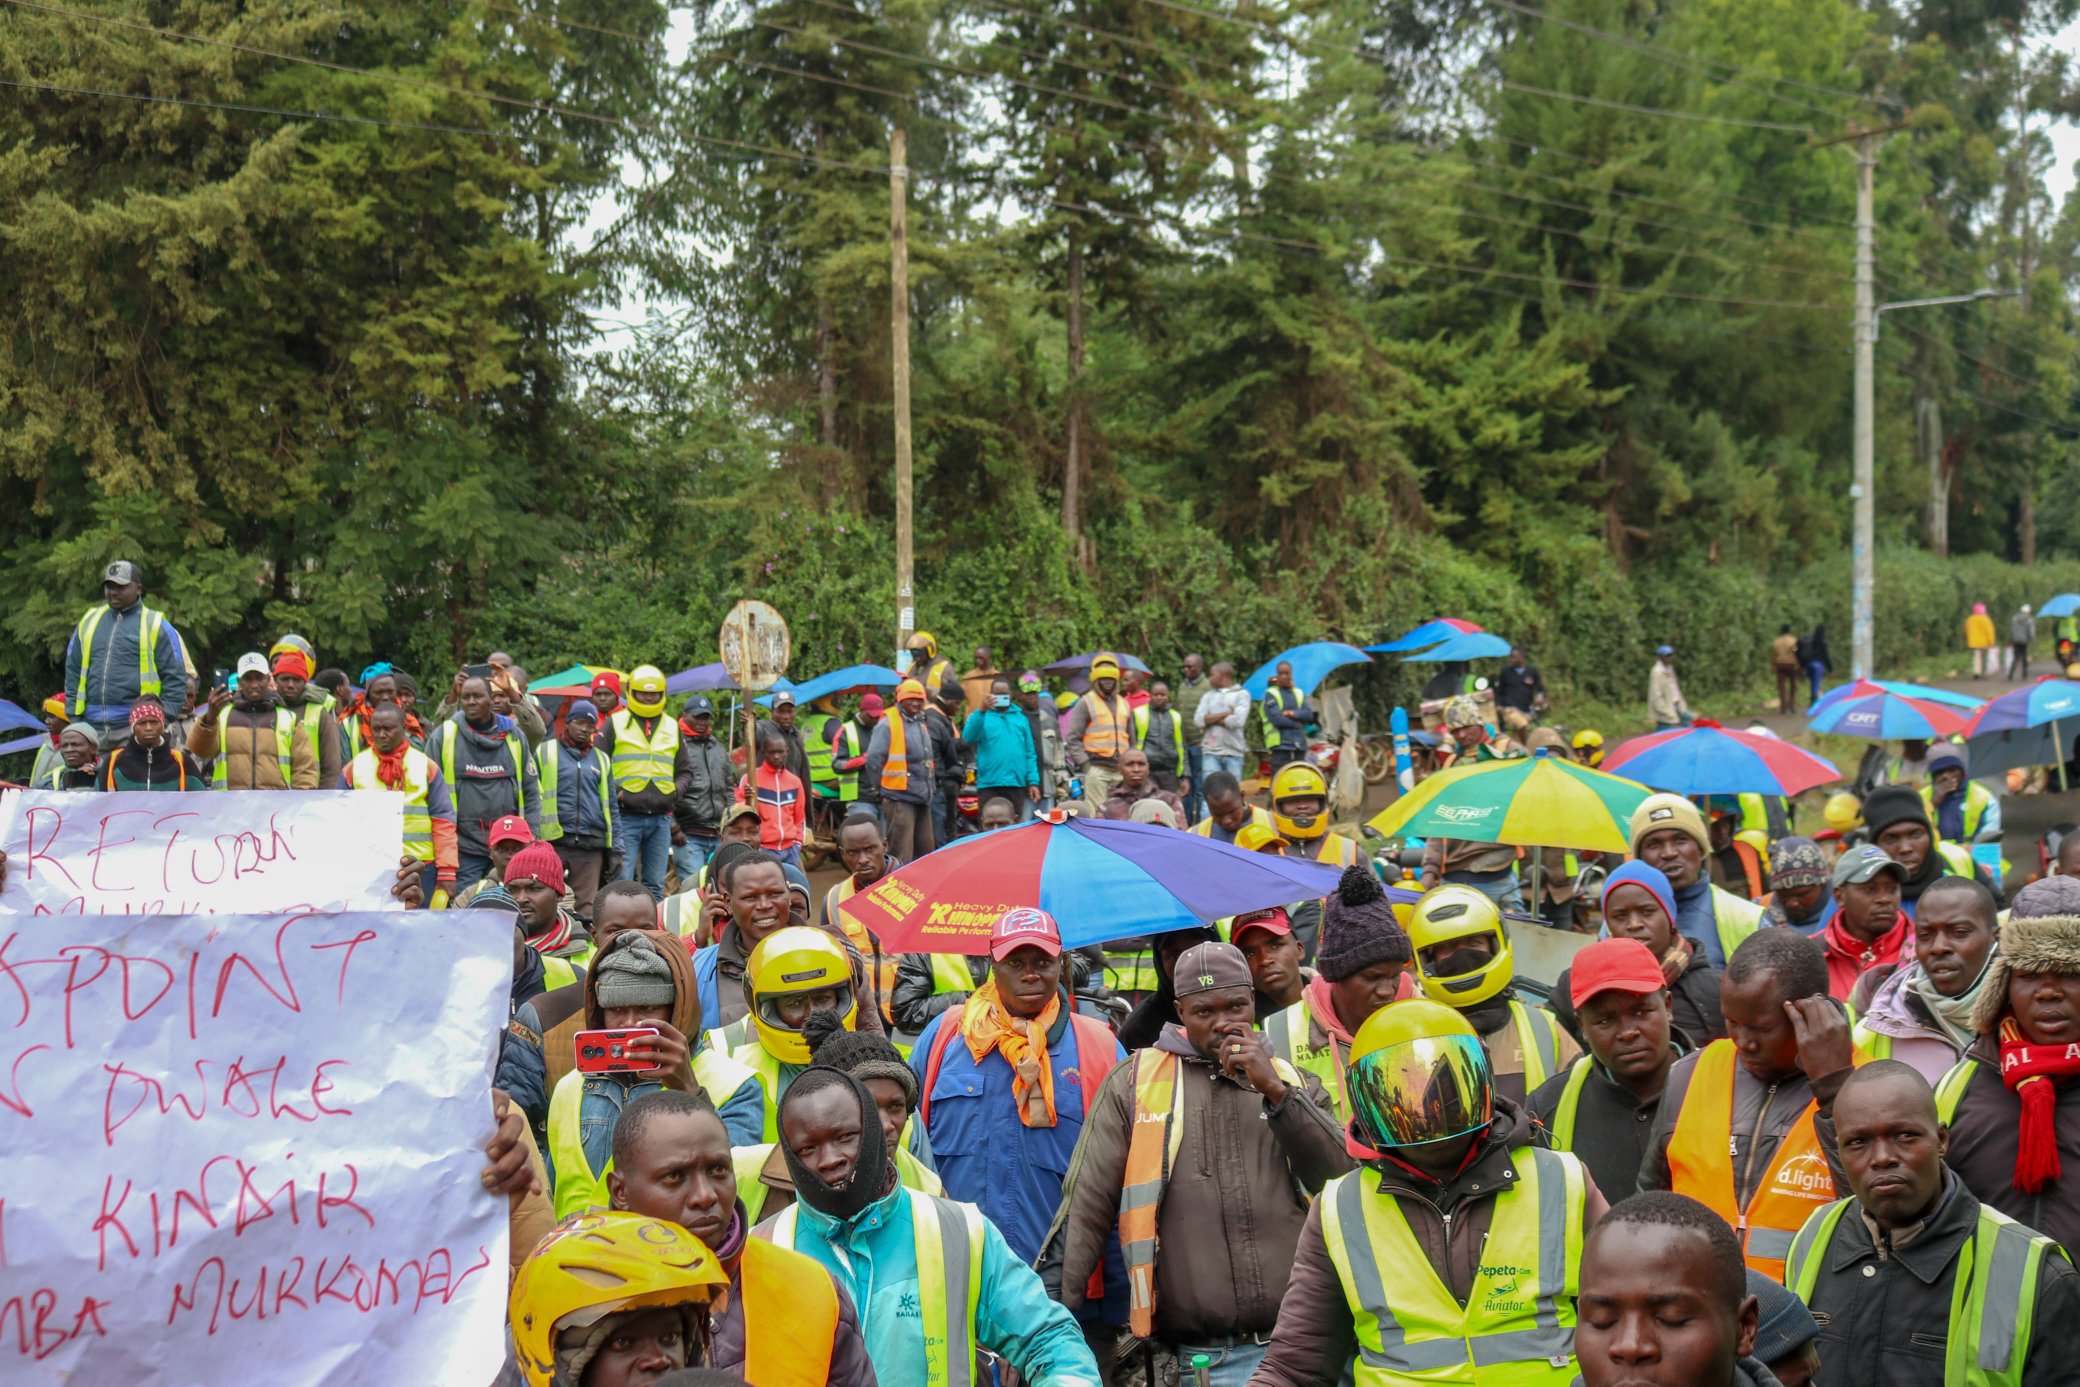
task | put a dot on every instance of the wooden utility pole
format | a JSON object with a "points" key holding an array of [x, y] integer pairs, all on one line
{"points": [[899, 336]]}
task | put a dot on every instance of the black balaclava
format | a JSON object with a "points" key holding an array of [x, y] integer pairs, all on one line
{"points": [[870, 1177]]}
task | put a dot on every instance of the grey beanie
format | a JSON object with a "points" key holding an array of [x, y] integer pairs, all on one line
{"points": [[634, 975], [85, 731]]}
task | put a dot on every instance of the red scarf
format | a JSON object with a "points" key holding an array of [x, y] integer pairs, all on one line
{"points": [[390, 767], [2028, 1070]]}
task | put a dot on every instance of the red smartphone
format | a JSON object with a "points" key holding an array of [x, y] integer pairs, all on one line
{"points": [[606, 1052]]}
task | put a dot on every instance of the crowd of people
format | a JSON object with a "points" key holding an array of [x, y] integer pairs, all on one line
{"points": [[1799, 1113]]}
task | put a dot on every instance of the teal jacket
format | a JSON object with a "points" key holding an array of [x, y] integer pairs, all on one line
{"points": [[1003, 742], [873, 1257]]}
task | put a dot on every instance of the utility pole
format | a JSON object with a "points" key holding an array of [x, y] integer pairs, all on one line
{"points": [[1863, 576], [899, 335]]}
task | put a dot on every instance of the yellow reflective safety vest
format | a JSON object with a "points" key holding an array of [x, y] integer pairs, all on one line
{"points": [[849, 745], [149, 685], [753, 1057], [1282, 699], [1534, 1045], [1138, 719], [1334, 849], [750, 1163], [1517, 1327], [284, 739], [1130, 969], [1290, 1035], [948, 1240], [548, 765], [1734, 917], [515, 747], [950, 974], [1570, 1105], [816, 742], [557, 972], [1993, 1296], [577, 1187], [1257, 815], [678, 914], [1977, 800], [644, 762], [418, 777]]}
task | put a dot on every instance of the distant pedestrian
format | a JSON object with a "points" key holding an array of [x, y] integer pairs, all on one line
{"points": [[1223, 714], [1665, 705], [2022, 629], [1193, 687], [1979, 639], [1783, 662], [1815, 659]]}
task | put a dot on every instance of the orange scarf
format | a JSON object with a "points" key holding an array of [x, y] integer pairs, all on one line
{"points": [[986, 1026]]}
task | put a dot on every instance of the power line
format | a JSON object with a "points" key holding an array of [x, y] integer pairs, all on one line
{"points": [[1663, 176], [1608, 105], [1755, 266], [1732, 218], [1394, 259], [255, 110], [1681, 327]]}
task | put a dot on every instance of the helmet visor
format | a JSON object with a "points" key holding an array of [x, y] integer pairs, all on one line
{"points": [[1418, 1091]]}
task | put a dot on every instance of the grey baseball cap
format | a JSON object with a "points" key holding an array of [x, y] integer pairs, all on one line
{"points": [[119, 572], [1860, 864]]}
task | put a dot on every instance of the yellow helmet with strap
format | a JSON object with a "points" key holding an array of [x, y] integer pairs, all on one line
{"points": [[1444, 916], [926, 642], [1418, 1073], [646, 691], [1590, 741], [789, 962], [1299, 780], [599, 1265]]}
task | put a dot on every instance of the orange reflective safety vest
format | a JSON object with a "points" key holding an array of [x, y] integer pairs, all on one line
{"points": [[1111, 728], [790, 1317], [1700, 1164], [895, 771]]}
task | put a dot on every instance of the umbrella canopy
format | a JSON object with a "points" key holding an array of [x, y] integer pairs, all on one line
{"points": [[1429, 633], [1311, 665], [1927, 693], [852, 679], [2065, 604], [1883, 717], [23, 743], [575, 682], [1543, 800], [1100, 879], [1069, 664], [699, 679], [14, 715], [1707, 759], [2033, 705], [1991, 753], [1473, 645]]}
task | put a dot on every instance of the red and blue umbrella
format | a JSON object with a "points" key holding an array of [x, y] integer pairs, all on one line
{"points": [[1311, 665], [2033, 705], [1099, 878], [1707, 759], [1884, 717], [1429, 633], [1927, 693]]}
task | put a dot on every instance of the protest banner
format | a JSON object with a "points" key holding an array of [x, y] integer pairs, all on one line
{"points": [[199, 854], [246, 1148]]}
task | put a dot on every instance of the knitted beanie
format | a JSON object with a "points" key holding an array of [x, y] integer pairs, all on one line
{"points": [[536, 862], [2042, 935], [1359, 928], [1796, 862], [861, 1055], [1893, 804], [633, 974]]}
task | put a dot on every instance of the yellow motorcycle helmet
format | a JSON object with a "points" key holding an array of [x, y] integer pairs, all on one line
{"points": [[925, 643], [1844, 811], [297, 643], [796, 959], [1418, 1073], [646, 691], [1254, 837], [604, 1264], [1445, 915], [1298, 780], [1589, 740]]}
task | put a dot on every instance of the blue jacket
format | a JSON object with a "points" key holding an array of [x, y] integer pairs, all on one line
{"points": [[112, 684], [990, 1159], [873, 1258], [743, 1113], [1003, 742], [577, 793]]}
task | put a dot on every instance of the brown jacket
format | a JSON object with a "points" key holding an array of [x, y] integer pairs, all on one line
{"points": [[529, 1216], [1987, 1131], [1314, 1338], [1233, 1208], [252, 760], [686, 1008]]}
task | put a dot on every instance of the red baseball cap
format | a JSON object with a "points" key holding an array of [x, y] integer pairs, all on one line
{"points": [[872, 704], [511, 829], [1025, 925], [1272, 919], [1614, 965]]}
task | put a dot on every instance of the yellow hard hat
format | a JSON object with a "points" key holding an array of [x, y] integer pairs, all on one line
{"points": [[1418, 1073], [1254, 837], [1591, 741], [604, 1264], [1298, 780], [646, 691], [1450, 913], [796, 959], [1844, 811], [925, 641]]}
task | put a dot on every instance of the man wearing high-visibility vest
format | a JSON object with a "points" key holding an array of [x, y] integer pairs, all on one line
{"points": [[933, 1279], [484, 759], [1097, 731], [1287, 716], [793, 973], [1159, 731], [1963, 811], [1464, 960], [1207, 1257], [1363, 966], [1668, 833], [864, 851], [1912, 1250], [643, 979], [818, 725], [249, 742], [293, 666], [785, 1322], [899, 761], [1746, 1125], [1452, 1254], [1227, 812], [581, 814], [650, 773], [392, 763], [122, 651]]}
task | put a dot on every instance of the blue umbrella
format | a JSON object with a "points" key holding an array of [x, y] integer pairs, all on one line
{"points": [[1311, 664], [2065, 604], [23, 743], [1927, 693], [839, 682], [2046, 703], [13, 715], [1429, 633], [1473, 645], [1884, 717]]}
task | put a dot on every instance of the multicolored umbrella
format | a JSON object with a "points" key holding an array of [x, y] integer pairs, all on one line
{"points": [[1100, 879], [575, 682], [2046, 703], [1429, 633], [1927, 693], [1884, 717], [1544, 800], [1311, 665], [1707, 759], [1472, 645]]}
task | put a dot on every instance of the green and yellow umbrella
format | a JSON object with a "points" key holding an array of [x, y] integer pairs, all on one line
{"points": [[1538, 801]]}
